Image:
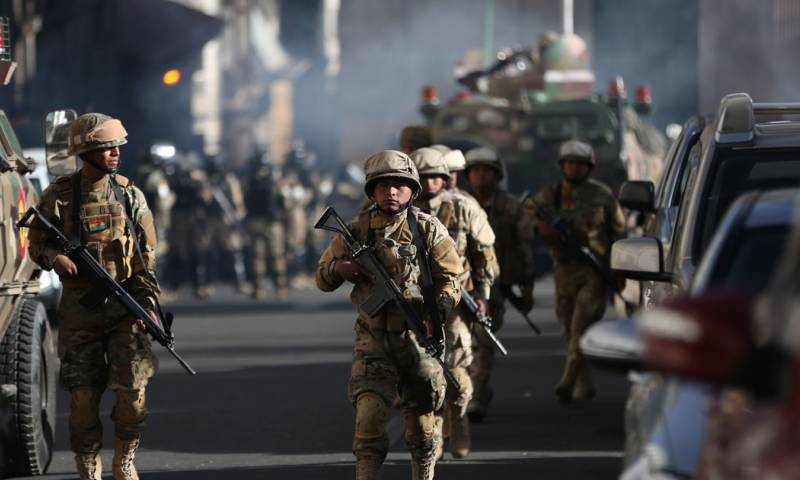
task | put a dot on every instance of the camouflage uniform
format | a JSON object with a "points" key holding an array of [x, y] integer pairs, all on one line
{"points": [[387, 357], [596, 220], [190, 235], [514, 234], [102, 347], [469, 227], [266, 220], [226, 222]]}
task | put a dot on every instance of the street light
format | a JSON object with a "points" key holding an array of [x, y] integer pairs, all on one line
{"points": [[171, 77]]}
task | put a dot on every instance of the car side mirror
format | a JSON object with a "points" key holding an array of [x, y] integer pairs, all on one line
{"points": [[614, 344], [56, 142], [639, 195], [639, 258]]}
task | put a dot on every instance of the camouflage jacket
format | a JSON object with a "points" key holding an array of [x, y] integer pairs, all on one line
{"points": [[474, 238], [104, 230], [399, 256], [514, 233], [590, 210]]}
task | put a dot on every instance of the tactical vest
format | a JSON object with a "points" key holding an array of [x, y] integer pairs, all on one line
{"points": [[446, 213], [100, 226]]}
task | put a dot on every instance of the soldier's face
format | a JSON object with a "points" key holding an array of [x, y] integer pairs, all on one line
{"points": [[392, 194], [104, 157], [431, 185], [575, 171], [482, 176]]}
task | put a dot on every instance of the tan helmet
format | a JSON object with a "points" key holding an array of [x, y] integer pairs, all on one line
{"points": [[430, 161], [484, 156], [576, 150], [455, 161], [415, 136], [91, 131], [390, 163], [440, 148]]}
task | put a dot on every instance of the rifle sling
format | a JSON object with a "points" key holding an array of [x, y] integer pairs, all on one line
{"points": [[428, 292]]}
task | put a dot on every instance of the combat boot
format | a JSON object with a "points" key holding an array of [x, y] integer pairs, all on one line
{"points": [[89, 466], [368, 469], [421, 470], [122, 467], [584, 389], [459, 432]]}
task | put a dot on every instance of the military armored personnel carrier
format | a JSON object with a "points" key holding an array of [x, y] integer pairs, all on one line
{"points": [[530, 101], [28, 361]]}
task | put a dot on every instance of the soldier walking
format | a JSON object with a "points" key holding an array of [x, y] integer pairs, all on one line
{"points": [[102, 347], [388, 358], [514, 234], [266, 220], [469, 228], [595, 220]]}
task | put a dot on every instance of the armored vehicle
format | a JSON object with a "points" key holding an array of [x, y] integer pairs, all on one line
{"points": [[28, 361], [526, 104]]}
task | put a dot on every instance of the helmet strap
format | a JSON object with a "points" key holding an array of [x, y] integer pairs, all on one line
{"points": [[102, 168]]}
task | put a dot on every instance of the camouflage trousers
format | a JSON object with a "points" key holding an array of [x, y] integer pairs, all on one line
{"points": [[384, 364], [99, 349], [268, 241], [459, 357], [190, 244], [581, 298], [483, 349]]}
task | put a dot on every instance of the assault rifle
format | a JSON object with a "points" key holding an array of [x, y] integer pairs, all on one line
{"points": [[105, 286], [567, 238], [385, 289], [516, 302], [483, 319]]}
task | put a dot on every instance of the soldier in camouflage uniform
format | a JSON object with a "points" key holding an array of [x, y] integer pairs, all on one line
{"points": [[469, 227], [104, 347], [514, 234], [387, 358], [596, 220], [266, 217]]}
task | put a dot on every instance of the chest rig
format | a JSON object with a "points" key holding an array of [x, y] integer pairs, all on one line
{"points": [[96, 218]]}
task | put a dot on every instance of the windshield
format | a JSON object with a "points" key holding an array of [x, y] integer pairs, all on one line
{"points": [[747, 263], [736, 172]]}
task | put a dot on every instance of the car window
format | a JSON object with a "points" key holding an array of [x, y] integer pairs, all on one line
{"points": [[683, 175], [735, 172], [748, 264]]}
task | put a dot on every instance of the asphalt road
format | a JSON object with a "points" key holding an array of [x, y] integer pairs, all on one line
{"points": [[270, 401]]}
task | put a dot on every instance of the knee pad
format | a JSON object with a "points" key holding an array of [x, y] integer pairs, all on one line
{"points": [[371, 415], [129, 414]]}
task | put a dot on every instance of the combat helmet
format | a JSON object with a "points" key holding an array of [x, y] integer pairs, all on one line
{"points": [[484, 156], [578, 151], [439, 147], [455, 161], [430, 161], [390, 163], [92, 131], [413, 137]]}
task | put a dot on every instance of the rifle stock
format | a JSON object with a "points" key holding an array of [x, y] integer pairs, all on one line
{"points": [[483, 319]]}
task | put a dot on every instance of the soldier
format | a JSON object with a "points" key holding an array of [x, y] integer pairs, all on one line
{"points": [[190, 237], [514, 234], [102, 347], [387, 357], [469, 228], [413, 137], [596, 221], [226, 221], [266, 207]]}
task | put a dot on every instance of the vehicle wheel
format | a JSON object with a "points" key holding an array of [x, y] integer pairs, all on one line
{"points": [[28, 361]]}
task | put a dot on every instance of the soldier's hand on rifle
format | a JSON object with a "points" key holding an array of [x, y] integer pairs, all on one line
{"points": [[140, 322], [483, 305], [64, 267], [350, 271]]}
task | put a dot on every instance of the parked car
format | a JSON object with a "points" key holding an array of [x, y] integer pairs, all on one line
{"points": [[666, 417], [747, 146]]}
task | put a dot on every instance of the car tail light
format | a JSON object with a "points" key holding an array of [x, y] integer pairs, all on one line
{"points": [[704, 338]]}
